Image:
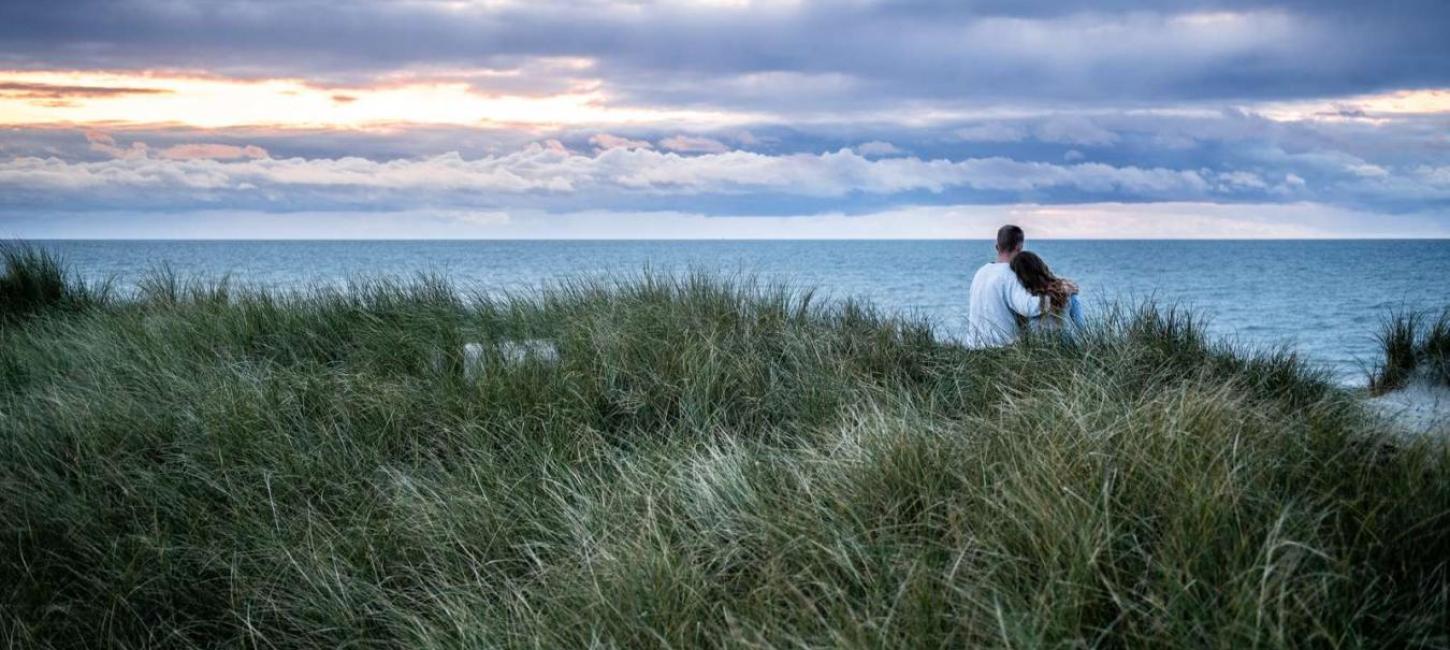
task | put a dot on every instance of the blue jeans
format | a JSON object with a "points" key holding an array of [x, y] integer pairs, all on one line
{"points": [[1074, 312], [1067, 324]]}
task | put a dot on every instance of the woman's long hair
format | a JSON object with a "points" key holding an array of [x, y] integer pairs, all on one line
{"points": [[1037, 278]]}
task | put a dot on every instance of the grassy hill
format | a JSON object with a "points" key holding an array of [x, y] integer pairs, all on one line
{"points": [[708, 463]]}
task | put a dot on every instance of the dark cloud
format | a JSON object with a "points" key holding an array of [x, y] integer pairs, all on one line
{"points": [[53, 91], [1230, 157], [1031, 100], [834, 56], [1396, 165]]}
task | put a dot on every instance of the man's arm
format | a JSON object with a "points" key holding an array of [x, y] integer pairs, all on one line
{"points": [[1022, 302]]}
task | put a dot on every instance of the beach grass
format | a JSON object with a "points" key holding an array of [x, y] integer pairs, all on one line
{"points": [[1415, 345], [1435, 348], [34, 279], [709, 462]]}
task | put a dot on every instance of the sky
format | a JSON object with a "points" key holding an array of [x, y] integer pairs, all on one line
{"points": [[724, 118]]}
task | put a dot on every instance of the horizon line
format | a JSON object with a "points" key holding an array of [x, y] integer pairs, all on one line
{"points": [[703, 239]]}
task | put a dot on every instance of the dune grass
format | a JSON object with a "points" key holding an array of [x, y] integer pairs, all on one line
{"points": [[1435, 349], [34, 279], [709, 463], [1415, 344]]}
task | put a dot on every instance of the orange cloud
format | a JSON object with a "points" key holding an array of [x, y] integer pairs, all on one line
{"points": [[104, 143], [21, 90], [1375, 108], [605, 141], [692, 144], [200, 151]]}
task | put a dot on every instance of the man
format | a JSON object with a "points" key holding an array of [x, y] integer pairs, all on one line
{"points": [[998, 297]]}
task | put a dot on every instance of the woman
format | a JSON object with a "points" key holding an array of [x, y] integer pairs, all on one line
{"points": [[1059, 295]]}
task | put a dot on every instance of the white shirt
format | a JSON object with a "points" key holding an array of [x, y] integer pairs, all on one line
{"points": [[997, 298]]}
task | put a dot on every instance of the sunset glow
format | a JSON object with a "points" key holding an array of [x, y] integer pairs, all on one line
{"points": [[130, 99], [1377, 107]]}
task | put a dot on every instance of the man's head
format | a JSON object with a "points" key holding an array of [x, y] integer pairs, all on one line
{"points": [[1009, 241]]}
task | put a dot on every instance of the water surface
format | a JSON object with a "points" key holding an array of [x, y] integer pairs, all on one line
{"points": [[1323, 298]]}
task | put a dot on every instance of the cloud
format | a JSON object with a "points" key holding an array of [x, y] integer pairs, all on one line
{"points": [[640, 105], [877, 148], [1240, 156], [549, 170], [843, 172], [747, 138], [805, 55], [103, 143], [219, 101], [1367, 170], [692, 144], [990, 132], [1438, 176], [604, 141], [22, 90], [1074, 130], [212, 151], [1241, 180]]}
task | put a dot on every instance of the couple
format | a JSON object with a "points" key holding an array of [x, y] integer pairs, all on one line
{"points": [[1018, 292]]}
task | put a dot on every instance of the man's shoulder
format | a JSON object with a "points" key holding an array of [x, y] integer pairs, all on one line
{"points": [[989, 270], [980, 276]]}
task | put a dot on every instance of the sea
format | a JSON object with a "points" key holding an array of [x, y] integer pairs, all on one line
{"points": [[1324, 299]]}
